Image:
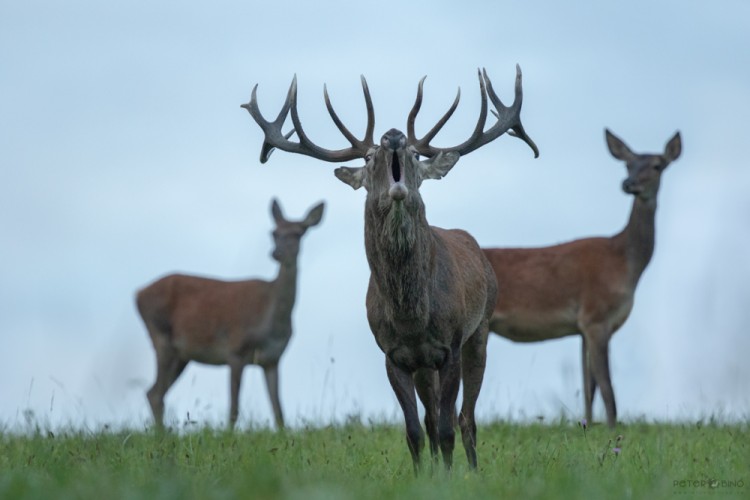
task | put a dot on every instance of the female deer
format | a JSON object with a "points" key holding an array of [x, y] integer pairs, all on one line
{"points": [[233, 323]]}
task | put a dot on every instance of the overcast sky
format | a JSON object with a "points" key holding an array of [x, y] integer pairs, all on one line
{"points": [[124, 155]]}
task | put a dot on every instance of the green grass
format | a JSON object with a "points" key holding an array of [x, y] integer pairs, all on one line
{"points": [[359, 461]]}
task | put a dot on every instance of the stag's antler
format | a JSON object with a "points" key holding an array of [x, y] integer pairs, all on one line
{"points": [[508, 118], [274, 138]]}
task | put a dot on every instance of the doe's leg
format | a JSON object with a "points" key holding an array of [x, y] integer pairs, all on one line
{"points": [[271, 373], [589, 383], [236, 368], [168, 368], [598, 347]]}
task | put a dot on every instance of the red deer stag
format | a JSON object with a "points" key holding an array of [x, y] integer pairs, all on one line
{"points": [[233, 323], [431, 290], [584, 286]]}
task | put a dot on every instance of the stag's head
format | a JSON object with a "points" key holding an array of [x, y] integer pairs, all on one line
{"points": [[394, 171], [644, 170], [287, 234], [396, 166]]}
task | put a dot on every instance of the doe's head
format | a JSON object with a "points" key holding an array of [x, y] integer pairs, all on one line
{"points": [[644, 170], [287, 234]]}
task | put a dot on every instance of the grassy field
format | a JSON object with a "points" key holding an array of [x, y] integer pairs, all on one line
{"points": [[638, 460]]}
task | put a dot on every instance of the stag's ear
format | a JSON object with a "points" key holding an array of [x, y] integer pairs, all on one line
{"points": [[439, 165], [314, 216], [673, 149], [618, 148], [276, 212], [354, 176]]}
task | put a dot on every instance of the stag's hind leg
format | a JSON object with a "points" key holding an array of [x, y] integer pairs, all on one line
{"points": [[426, 383], [473, 361]]}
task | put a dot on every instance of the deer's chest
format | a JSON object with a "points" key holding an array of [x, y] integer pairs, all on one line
{"points": [[411, 345]]}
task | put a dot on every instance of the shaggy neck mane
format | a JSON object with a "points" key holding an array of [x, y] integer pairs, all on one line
{"points": [[398, 242]]}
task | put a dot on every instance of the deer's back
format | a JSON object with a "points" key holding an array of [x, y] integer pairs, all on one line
{"points": [[546, 292], [205, 318]]}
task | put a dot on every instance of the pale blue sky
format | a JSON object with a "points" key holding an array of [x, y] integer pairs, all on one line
{"points": [[124, 155]]}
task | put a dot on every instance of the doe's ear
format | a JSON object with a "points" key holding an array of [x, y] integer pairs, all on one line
{"points": [[439, 165], [673, 148], [354, 176], [617, 148], [314, 216], [276, 212]]}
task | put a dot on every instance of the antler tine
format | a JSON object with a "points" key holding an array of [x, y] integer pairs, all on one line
{"points": [[414, 110], [271, 130], [267, 149], [291, 99], [508, 119], [274, 138], [512, 113], [367, 142], [423, 145], [304, 141], [477, 137], [339, 124]]}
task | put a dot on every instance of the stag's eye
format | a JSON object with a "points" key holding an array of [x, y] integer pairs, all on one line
{"points": [[368, 158], [416, 155]]}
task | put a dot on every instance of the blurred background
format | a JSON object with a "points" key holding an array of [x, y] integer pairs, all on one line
{"points": [[124, 156]]}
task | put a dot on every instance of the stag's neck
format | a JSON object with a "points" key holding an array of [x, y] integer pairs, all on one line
{"points": [[638, 237], [285, 292], [399, 245]]}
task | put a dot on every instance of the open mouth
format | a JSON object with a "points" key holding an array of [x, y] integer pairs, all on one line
{"points": [[395, 167], [398, 190]]}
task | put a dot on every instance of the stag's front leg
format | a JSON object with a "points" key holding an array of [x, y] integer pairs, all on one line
{"points": [[473, 361], [450, 380], [426, 383], [403, 385]]}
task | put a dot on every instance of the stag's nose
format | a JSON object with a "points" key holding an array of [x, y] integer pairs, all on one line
{"points": [[627, 185], [393, 139]]}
